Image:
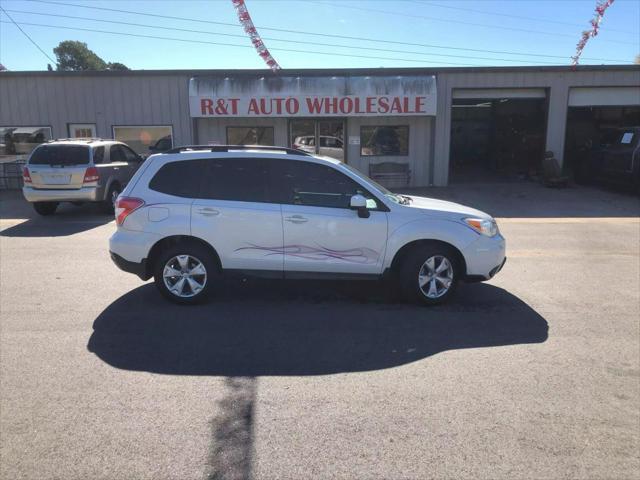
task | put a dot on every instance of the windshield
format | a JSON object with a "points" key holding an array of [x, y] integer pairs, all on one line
{"points": [[60, 155], [394, 197]]}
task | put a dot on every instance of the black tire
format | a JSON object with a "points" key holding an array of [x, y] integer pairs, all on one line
{"points": [[45, 208], [194, 251], [412, 267], [108, 205]]}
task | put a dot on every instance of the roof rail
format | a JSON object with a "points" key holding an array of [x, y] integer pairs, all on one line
{"points": [[230, 148], [86, 139]]}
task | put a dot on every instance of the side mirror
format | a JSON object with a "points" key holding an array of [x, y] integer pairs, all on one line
{"points": [[359, 203]]}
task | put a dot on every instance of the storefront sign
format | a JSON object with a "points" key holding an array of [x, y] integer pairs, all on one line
{"points": [[288, 97]]}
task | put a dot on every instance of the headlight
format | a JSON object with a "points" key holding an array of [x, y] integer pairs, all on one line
{"points": [[485, 226]]}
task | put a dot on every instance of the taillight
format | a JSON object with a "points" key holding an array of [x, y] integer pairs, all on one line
{"points": [[126, 206], [26, 176], [91, 175]]}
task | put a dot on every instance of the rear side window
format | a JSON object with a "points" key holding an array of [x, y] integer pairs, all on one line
{"points": [[60, 155], [98, 155], [238, 179], [181, 179]]}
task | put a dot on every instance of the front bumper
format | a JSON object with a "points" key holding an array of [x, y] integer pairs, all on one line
{"points": [[485, 257], [84, 194], [139, 269]]}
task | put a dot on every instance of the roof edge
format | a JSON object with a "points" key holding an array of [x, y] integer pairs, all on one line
{"points": [[319, 71]]}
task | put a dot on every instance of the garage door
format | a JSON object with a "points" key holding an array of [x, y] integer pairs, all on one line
{"points": [[604, 96]]}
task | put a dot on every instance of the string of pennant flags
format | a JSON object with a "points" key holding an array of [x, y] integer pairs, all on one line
{"points": [[247, 24], [601, 7]]}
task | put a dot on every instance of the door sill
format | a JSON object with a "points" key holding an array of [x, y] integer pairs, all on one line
{"points": [[295, 275]]}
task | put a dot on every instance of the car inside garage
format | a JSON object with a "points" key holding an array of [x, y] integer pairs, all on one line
{"points": [[596, 119], [497, 134]]}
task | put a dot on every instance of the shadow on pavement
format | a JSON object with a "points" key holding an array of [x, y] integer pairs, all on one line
{"points": [[68, 220], [257, 328]]}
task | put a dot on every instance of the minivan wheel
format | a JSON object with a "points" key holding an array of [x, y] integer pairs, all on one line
{"points": [[185, 273], [429, 275], [109, 203], [45, 208]]}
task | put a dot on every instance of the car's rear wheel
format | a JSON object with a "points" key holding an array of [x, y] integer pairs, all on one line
{"points": [[109, 203], [429, 274], [45, 208], [185, 273]]}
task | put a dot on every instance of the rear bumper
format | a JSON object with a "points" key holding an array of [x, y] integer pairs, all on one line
{"points": [[84, 194], [139, 269]]}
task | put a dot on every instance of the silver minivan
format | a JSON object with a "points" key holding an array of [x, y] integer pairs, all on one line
{"points": [[78, 171]]}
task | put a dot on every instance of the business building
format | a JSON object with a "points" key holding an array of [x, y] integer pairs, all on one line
{"points": [[405, 127]]}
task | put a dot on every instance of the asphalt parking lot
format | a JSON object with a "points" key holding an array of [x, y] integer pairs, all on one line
{"points": [[535, 374]]}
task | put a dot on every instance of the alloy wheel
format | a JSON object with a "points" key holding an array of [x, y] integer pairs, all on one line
{"points": [[184, 276], [435, 276], [114, 197]]}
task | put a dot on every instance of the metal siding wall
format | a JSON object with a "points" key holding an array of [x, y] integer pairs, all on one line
{"points": [[104, 100], [162, 99], [558, 84]]}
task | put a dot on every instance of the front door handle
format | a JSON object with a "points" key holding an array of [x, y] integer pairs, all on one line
{"points": [[296, 219], [208, 212]]}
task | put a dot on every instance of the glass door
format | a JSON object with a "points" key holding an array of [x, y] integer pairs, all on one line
{"points": [[331, 139], [321, 137]]}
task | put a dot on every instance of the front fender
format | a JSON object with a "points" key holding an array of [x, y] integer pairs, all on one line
{"points": [[429, 228]]}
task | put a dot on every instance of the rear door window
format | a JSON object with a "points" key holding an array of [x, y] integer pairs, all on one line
{"points": [[237, 179], [98, 155], [117, 154], [60, 155]]}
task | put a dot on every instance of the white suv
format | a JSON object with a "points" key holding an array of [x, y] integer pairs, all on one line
{"points": [[193, 213]]}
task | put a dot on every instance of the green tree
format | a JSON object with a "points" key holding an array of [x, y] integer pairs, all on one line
{"points": [[116, 66], [76, 56]]}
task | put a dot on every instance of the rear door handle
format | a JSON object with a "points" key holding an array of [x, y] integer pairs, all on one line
{"points": [[296, 219], [208, 212]]}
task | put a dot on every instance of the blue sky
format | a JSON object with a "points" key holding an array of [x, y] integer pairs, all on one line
{"points": [[470, 29]]}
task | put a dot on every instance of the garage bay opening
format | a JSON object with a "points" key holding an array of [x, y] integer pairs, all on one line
{"points": [[497, 139]]}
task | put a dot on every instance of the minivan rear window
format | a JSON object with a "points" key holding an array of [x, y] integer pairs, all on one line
{"points": [[60, 155]]}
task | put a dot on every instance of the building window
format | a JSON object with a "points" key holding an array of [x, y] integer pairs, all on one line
{"points": [[383, 140], [145, 140], [22, 140], [82, 130], [250, 136]]}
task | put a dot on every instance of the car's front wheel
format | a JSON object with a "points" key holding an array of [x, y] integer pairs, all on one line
{"points": [[430, 274], [45, 208], [185, 273]]}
